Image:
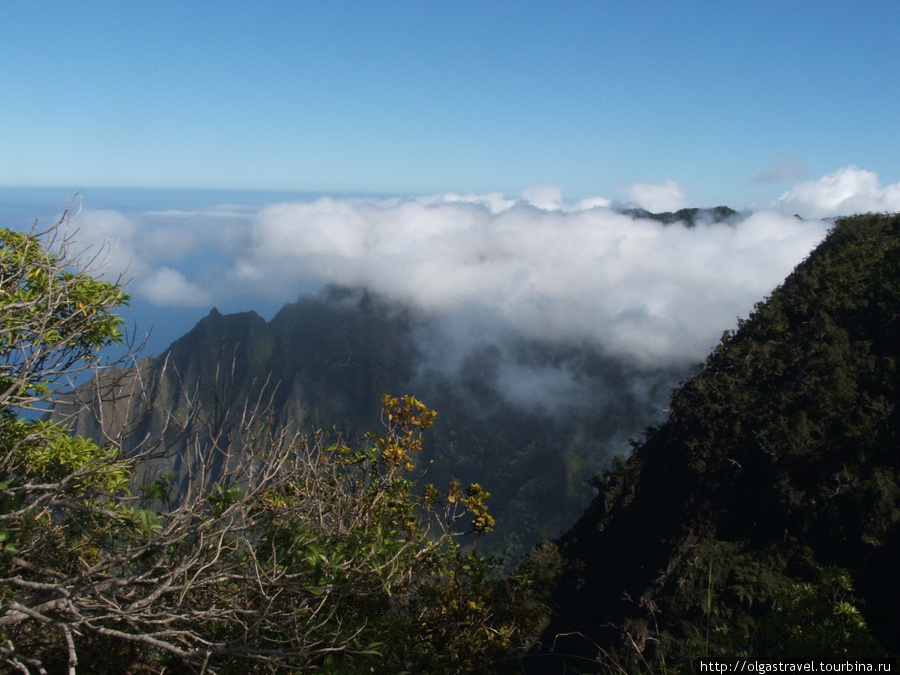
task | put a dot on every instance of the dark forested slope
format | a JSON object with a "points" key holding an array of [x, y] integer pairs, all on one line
{"points": [[778, 463]]}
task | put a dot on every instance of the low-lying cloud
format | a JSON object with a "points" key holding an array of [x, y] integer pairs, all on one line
{"points": [[165, 286], [638, 288], [537, 266], [657, 198]]}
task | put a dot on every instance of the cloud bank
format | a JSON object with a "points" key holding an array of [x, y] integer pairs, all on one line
{"points": [[536, 266], [515, 287], [636, 287]]}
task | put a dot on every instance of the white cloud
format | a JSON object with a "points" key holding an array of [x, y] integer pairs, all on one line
{"points": [[168, 287], [106, 236], [547, 197], [846, 191], [657, 197], [146, 248], [570, 272], [593, 203], [495, 202], [638, 288]]}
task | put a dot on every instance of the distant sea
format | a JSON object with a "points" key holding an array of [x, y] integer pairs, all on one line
{"points": [[21, 205]]}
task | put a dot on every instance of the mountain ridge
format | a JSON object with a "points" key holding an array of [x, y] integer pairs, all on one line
{"points": [[325, 360], [777, 462]]}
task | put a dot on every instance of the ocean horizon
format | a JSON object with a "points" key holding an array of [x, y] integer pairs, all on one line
{"points": [[19, 203]]}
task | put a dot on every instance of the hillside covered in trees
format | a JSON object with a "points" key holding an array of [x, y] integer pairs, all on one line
{"points": [[762, 518]]}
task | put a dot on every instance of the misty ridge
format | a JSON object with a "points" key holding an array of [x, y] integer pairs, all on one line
{"points": [[489, 273], [546, 334], [539, 267], [653, 292], [532, 420], [563, 324]]}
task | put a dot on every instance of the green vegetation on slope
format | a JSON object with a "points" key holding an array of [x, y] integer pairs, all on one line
{"points": [[772, 484]]}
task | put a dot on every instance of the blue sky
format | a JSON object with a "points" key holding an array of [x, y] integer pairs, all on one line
{"points": [[735, 102], [466, 157]]}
